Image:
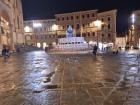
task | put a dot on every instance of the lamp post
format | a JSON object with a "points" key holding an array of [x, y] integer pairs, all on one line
{"points": [[132, 30], [98, 24]]}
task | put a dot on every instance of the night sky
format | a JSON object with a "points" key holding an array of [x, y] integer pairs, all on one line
{"points": [[46, 9]]}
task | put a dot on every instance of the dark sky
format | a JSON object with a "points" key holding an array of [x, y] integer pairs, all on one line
{"points": [[45, 9]]}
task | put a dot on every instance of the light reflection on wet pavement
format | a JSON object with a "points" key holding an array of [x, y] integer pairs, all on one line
{"points": [[35, 78]]}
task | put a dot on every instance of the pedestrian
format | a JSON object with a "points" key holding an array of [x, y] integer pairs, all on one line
{"points": [[117, 51], [5, 52], [95, 48]]}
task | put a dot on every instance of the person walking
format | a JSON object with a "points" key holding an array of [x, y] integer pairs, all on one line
{"points": [[5, 52], [95, 48]]}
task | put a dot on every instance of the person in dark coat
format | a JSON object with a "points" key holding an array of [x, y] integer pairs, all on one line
{"points": [[5, 52], [95, 48]]}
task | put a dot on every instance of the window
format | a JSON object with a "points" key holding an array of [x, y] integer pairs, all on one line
{"points": [[102, 35], [93, 33], [67, 26], [87, 15], [58, 19], [67, 18], [109, 26], [63, 27], [72, 26], [109, 18], [109, 35], [71, 17], [93, 14], [62, 18], [78, 35], [83, 25], [102, 19], [83, 16], [102, 27], [88, 34], [78, 26], [77, 17]]}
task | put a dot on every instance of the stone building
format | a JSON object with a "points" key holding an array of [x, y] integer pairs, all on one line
{"points": [[83, 25], [121, 42], [40, 33], [11, 23]]}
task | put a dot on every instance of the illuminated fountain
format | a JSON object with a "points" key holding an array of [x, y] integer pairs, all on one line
{"points": [[71, 44]]}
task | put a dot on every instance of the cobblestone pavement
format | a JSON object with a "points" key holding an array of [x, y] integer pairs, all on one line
{"points": [[35, 78]]}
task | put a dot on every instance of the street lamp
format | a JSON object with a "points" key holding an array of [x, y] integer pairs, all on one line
{"points": [[98, 24], [132, 29], [133, 18]]}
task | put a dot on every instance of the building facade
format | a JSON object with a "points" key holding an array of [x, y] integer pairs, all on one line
{"points": [[40, 33], [11, 23], [120, 42], [83, 25]]}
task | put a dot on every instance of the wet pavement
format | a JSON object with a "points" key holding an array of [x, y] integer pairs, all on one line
{"points": [[36, 78]]}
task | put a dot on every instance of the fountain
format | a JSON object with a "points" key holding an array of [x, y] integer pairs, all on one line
{"points": [[71, 44]]}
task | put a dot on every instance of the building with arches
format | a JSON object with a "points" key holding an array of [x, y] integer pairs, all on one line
{"points": [[82, 23], [11, 23], [42, 33]]}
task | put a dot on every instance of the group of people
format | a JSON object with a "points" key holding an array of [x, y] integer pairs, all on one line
{"points": [[115, 50]]}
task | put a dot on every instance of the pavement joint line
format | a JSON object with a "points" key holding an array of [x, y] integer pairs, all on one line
{"points": [[90, 96], [101, 92], [62, 80], [114, 88]]}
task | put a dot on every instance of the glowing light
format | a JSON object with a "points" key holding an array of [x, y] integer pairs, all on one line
{"points": [[39, 45], [27, 29], [37, 25], [44, 45], [98, 23], [133, 17], [54, 27], [54, 43]]}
